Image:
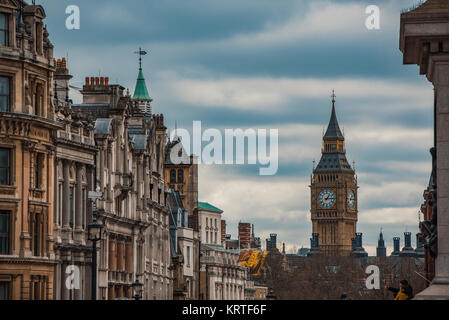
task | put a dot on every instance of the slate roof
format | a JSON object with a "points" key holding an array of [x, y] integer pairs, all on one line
{"points": [[333, 129], [103, 126], [98, 110], [333, 163], [139, 141], [184, 158]]}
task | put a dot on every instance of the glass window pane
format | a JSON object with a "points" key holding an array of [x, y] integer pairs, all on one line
{"points": [[4, 179], [4, 85], [4, 232], [3, 38], [3, 21], [4, 104], [3, 223], [4, 157], [4, 290]]}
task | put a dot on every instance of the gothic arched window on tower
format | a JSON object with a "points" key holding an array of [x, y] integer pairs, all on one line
{"points": [[180, 176], [173, 176]]}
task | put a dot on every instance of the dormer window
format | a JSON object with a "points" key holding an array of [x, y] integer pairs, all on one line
{"points": [[4, 29]]}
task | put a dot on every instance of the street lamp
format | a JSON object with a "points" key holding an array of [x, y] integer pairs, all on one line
{"points": [[271, 295], [137, 289], [94, 235]]}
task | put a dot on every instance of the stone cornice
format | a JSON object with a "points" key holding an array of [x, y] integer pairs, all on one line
{"points": [[21, 260], [44, 122]]}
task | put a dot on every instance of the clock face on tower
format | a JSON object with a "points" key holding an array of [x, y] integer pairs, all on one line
{"points": [[351, 199], [327, 199]]}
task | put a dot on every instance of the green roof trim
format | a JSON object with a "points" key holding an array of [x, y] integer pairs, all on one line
{"points": [[208, 206], [141, 91]]}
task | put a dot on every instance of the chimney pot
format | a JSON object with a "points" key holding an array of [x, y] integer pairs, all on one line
{"points": [[64, 63], [87, 81], [92, 81], [106, 81], [102, 81], [58, 63], [97, 81]]}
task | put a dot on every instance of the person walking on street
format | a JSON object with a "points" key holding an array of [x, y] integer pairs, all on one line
{"points": [[405, 291]]}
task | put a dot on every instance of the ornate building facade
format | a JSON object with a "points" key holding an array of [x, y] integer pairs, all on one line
{"points": [[182, 178], [334, 194], [129, 173], [27, 152], [74, 178]]}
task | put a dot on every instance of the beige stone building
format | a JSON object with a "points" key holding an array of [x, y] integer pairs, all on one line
{"points": [[27, 154], [424, 41]]}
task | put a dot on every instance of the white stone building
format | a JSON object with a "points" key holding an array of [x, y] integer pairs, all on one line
{"points": [[209, 223], [221, 275]]}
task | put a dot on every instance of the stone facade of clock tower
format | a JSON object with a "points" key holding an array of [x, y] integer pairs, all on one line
{"points": [[334, 194]]}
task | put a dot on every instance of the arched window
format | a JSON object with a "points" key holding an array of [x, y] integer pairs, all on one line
{"points": [[180, 176], [173, 176]]}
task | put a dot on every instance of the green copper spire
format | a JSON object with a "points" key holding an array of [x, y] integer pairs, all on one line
{"points": [[141, 91]]}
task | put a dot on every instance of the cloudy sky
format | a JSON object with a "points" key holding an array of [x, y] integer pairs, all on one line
{"points": [[272, 64]]}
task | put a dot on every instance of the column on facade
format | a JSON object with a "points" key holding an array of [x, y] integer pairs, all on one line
{"points": [[65, 293], [118, 149], [441, 83], [90, 187], [79, 197], [101, 171], [109, 170], [66, 195], [125, 153], [146, 181], [120, 265], [128, 257], [111, 293], [51, 187], [77, 293], [139, 163], [112, 255]]}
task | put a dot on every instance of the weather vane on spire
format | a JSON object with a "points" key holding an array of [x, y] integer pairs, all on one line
{"points": [[140, 53], [333, 96]]}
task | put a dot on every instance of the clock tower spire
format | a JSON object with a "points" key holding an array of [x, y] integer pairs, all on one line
{"points": [[334, 193]]}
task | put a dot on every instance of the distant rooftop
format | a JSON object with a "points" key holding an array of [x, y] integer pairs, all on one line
{"points": [[429, 6], [208, 206]]}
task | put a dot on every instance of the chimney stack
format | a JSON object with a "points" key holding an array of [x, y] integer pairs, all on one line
{"points": [[396, 246], [408, 239]]}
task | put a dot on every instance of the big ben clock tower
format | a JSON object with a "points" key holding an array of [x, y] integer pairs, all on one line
{"points": [[334, 194]]}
